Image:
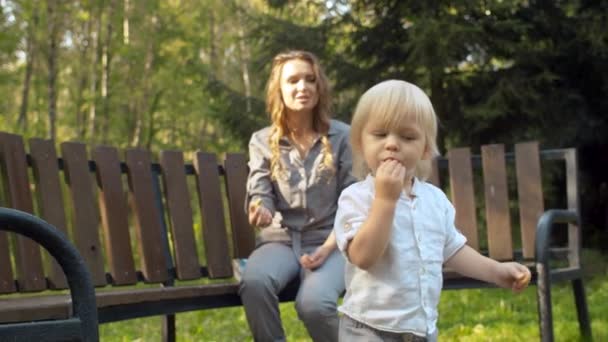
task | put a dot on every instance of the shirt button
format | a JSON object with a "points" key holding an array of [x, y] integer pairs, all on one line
{"points": [[347, 226]]}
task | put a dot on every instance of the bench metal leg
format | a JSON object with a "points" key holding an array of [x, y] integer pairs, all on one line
{"points": [[169, 328], [581, 308], [545, 311]]}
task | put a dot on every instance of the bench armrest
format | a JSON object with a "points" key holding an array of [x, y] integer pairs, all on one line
{"points": [[545, 227], [72, 264]]}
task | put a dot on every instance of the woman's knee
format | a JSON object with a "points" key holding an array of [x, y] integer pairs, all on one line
{"points": [[256, 282], [311, 308]]}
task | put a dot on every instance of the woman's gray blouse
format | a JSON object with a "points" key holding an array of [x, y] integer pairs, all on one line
{"points": [[307, 198]]}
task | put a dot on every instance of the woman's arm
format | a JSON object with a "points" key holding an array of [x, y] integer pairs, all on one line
{"points": [[259, 201], [317, 258]]}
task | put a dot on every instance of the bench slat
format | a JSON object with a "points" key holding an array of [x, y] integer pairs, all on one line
{"points": [[243, 234], [498, 218], [463, 193], [50, 197], [85, 215], [212, 212], [7, 284], [148, 216], [180, 214], [530, 193], [434, 177], [28, 259], [114, 215]]}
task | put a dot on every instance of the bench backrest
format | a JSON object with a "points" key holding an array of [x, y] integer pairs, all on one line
{"points": [[511, 189], [133, 219]]}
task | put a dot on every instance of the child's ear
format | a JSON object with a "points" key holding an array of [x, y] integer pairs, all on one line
{"points": [[427, 155]]}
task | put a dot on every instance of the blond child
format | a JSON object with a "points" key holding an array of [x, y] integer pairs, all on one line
{"points": [[395, 229]]}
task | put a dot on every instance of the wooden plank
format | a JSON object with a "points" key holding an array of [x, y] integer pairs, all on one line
{"points": [[498, 218], [50, 198], [85, 215], [7, 284], [212, 212], [180, 214], [28, 259], [243, 235], [114, 216], [148, 217], [434, 177], [33, 308], [463, 193], [530, 193]]}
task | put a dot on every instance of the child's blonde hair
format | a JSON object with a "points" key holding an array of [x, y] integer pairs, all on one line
{"points": [[277, 111], [392, 102]]}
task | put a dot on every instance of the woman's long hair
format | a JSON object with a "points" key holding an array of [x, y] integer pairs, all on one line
{"points": [[277, 111]]}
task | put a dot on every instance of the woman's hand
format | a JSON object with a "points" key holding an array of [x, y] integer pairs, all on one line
{"points": [[316, 259], [259, 216]]}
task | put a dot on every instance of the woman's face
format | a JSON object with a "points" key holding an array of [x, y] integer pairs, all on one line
{"points": [[299, 86]]}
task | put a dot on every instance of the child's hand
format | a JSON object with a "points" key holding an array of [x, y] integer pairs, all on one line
{"points": [[513, 275], [390, 177], [259, 216], [316, 259]]}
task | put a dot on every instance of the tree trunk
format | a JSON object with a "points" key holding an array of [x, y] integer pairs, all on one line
{"points": [[52, 26], [125, 22], [83, 79], [29, 68], [105, 75], [147, 106], [244, 60], [151, 122], [213, 59], [95, 39]]}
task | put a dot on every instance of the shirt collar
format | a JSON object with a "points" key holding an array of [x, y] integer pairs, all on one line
{"points": [[333, 130]]}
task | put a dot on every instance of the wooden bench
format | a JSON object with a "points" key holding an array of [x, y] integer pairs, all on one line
{"points": [[133, 218]]}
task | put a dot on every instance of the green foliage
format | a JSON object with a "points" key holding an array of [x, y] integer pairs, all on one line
{"points": [[191, 75]]}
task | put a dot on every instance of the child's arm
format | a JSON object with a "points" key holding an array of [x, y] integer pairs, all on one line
{"points": [[372, 238], [470, 263]]}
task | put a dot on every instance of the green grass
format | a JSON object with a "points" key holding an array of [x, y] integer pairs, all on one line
{"points": [[464, 315]]}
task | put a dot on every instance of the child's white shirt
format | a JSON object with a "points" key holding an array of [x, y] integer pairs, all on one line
{"points": [[400, 292]]}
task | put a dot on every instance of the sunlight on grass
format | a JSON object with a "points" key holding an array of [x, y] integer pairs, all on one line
{"points": [[464, 315]]}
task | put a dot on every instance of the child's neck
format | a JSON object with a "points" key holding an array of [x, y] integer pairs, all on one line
{"points": [[408, 185]]}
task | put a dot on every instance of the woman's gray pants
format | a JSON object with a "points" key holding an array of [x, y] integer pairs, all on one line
{"points": [[269, 269]]}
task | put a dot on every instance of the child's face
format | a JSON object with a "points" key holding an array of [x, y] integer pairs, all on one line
{"points": [[405, 143]]}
